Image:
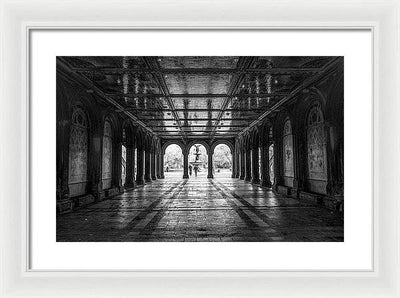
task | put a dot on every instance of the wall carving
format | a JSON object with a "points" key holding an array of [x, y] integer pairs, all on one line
{"points": [[316, 145], [107, 156], [288, 167], [78, 153]]}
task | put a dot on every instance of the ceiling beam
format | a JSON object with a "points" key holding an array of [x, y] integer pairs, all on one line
{"points": [[190, 126], [193, 110], [243, 63], [152, 64], [86, 83], [197, 119], [222, 95], [198, 136], [198, 71], [325, 70]]}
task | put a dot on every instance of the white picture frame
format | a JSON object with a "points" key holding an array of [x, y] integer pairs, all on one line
{"points": [[20, 17]]}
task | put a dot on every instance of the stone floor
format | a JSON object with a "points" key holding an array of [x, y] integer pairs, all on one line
{"points": [[200, 209]]}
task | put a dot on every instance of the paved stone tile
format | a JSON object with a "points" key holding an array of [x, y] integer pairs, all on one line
{"points": [[198, 210]]}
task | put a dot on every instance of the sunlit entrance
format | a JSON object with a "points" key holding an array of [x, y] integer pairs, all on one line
{"points": [[173, 161], [198, 161], [222, 160]]}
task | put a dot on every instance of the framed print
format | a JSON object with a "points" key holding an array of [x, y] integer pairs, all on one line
{"points": [[200, 150]]}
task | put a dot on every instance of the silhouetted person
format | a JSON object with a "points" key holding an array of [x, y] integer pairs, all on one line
{"points": [[190, 170], [196, 169], [167, 169]]}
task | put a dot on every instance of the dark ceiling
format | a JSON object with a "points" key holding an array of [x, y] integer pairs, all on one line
{"points": [[196, 97]]}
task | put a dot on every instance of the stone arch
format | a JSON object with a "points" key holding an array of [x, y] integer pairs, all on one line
{"points": [[201, 142], [222, 142], [247, 141], [78, 159], [254, 138], [264, 132], [172, 142], [240, 142], [139, 139], [316, 146], [147, 142], [153, 144], [128, 133], [116, 126], [302, 108]]}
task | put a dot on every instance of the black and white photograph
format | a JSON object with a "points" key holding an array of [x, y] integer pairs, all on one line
{"points": [[200, 148]]}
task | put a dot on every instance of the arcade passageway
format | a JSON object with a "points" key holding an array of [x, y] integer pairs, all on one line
{"points": [[200, 148]]}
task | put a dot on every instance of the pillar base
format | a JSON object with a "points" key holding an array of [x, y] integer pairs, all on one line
{"points": [[210, 176], [266, 183], [247, 179], [241, 177], [129, 185], [140, 182], [162, 177], [159, 176], [185, 176], [256, 181], [153, 178], [147, 180]]}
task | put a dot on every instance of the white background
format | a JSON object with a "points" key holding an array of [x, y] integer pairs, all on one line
{"points": [[354, 254]]}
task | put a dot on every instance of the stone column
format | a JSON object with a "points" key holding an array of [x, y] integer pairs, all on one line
{"points": [[153, 166], [266, 179], [247, 176], [130, 167], [277, 165], [117, 165], [210, 165], [95, 158], [242, 156], [158, 170], [162, 166], [62, 191], [234, 165], [147, 166], [185, 166], [255, 170], [140, 166], [237, 157], [63, 135]]}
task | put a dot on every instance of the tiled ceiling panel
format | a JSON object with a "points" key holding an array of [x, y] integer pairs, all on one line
{"points": [[198, 84], [194, 96]]}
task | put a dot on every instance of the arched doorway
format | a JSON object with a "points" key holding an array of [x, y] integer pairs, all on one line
{"points": [[173, 161], [222, 159], [198, 161], [78, 153], [316, 150]]}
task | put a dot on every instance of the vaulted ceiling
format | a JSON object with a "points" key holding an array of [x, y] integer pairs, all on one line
{"points": [[197, 97]]}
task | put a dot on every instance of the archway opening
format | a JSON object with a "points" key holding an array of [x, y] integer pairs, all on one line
{"points": [[198, 161], [222, 160], [173, 161]]}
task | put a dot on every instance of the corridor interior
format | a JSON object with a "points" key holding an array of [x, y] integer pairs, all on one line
{"points": [[279, 178]]}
